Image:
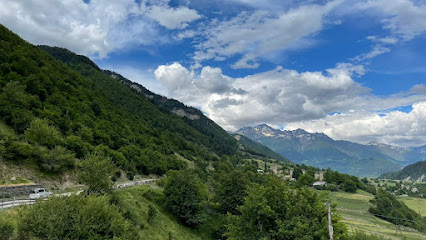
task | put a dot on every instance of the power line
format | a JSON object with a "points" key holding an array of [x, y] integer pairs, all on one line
{"points": [[405, 219]]}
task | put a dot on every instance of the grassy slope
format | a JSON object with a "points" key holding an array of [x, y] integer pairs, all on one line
{"points": [[133, 201], [417, 204], [354, 210]]}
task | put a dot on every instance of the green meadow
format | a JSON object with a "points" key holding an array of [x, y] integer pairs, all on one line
{"points": [[353, 208], [417, 204]]}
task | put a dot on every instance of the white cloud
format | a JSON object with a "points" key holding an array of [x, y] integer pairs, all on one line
{"points": [[376, 51], [176, 78], [95, 28], [173, 18], [404, 19], [395, 128], [385, 40], [254, 34], [301, 99]]}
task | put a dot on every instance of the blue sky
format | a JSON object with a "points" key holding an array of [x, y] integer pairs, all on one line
{"points": [[354, 70]]}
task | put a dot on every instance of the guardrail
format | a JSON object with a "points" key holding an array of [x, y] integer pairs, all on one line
{"points": [[6, 203], [15, 203]]}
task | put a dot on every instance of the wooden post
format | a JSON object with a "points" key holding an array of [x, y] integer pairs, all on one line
{"points": [[330, 227]]}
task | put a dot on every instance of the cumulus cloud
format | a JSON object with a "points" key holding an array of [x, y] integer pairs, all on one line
{"points": [[95, 28], [254, 34], [395, 127], [300, 99], [176, 78]]}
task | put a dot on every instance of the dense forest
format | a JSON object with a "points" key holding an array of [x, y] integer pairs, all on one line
{"points": [[57, 115]]}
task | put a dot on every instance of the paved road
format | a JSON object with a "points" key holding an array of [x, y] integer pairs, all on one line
{"points": [[10, 204]]}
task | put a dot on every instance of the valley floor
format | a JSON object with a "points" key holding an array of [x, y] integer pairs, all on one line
{"points": [[353, 208]]}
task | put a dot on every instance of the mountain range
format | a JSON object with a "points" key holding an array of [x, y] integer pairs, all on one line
{"points": [[319, 150]]}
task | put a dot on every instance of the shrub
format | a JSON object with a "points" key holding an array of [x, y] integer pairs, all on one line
{"points": [[152, 213], [6, 229], [75, 217], [96, 172], [349, 186]]}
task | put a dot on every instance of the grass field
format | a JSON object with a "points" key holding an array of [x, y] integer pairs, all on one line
{"points": [[417, 204], [353, 208]]}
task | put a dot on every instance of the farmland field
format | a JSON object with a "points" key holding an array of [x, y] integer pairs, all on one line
{"points": [[353, 208]]}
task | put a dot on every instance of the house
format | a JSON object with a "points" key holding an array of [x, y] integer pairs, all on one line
{"points": [[414, 190], [260, 171], [319, 183]]}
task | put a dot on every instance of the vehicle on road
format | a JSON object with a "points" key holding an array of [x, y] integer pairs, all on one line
{"points": [[40, 193]]}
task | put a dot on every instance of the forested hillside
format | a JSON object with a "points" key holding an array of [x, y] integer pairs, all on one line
{"points": [[58, 115], [258, 149], [139, 101], [413, 172]]}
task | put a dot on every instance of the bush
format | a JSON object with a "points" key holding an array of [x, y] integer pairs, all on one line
{"points": [[96, 172], [349, 186], [74, 217], [6, 229], [152, 213]]}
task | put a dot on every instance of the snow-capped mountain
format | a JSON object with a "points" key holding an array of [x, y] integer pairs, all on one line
{"points": [[317, 149]]}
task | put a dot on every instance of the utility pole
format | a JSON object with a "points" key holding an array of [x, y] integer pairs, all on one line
{"points": [[330, 227]]}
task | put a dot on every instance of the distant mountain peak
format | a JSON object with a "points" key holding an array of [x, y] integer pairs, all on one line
{"points": [[319, 150]]}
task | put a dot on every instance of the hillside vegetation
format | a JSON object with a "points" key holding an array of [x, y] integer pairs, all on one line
{"points": [[57, 115], [413, 172]]}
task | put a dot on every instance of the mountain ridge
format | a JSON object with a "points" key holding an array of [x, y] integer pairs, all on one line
{"points": [[412, 172], [319, 150]]}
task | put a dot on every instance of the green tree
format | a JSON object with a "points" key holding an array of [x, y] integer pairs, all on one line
{"points": [[305, 180], [297, 172], [96, 172], [57, 160], [42, 133], [230, 190], [349, 186], [277, 211], [184, 194]]}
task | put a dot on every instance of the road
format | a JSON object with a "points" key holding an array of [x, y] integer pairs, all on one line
{"points": [[15, 203]]}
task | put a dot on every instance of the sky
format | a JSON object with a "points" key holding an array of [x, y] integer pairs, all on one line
{"points": [[352, 69]]}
